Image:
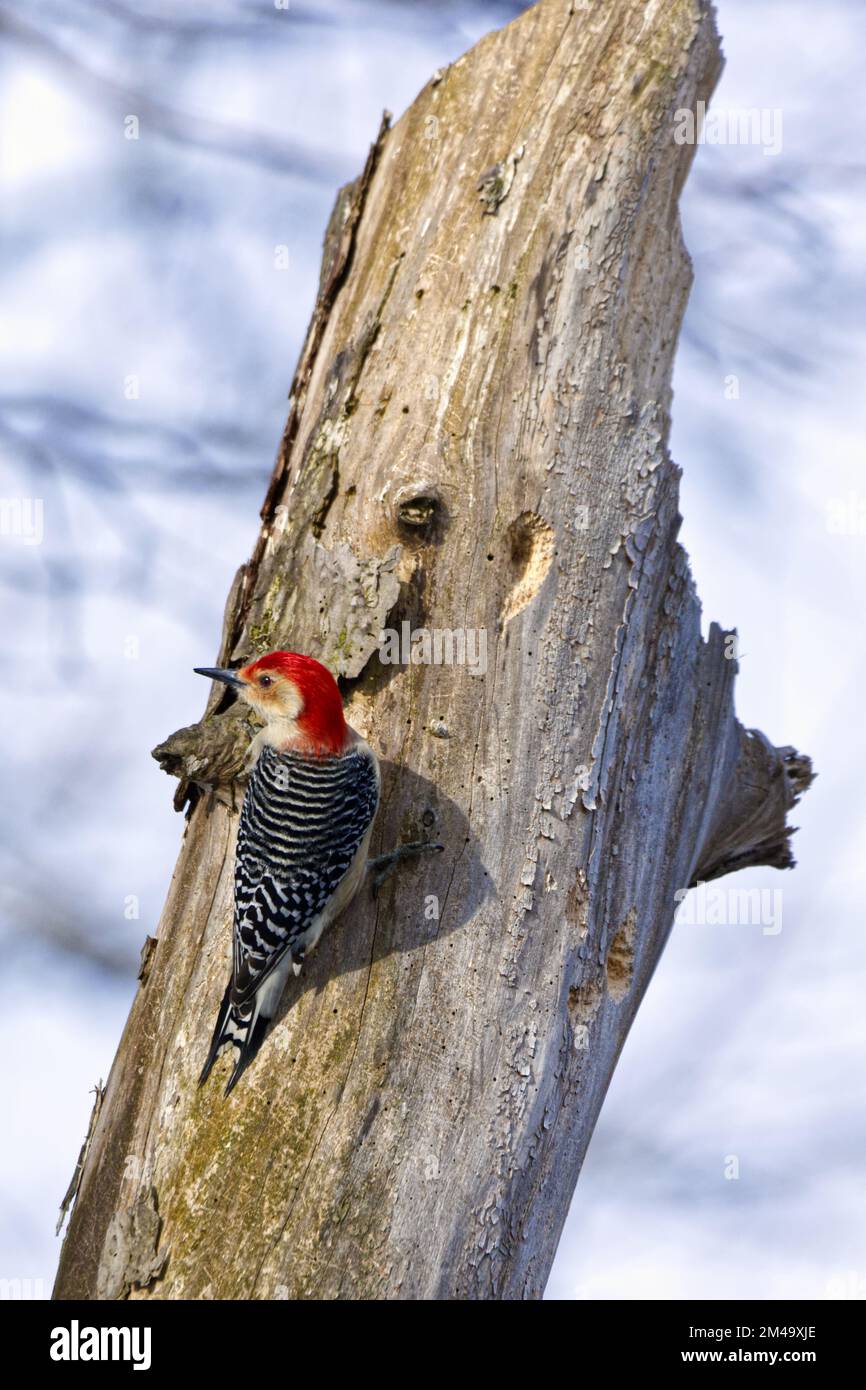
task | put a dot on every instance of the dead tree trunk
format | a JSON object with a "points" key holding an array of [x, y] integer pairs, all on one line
{"points": [[476, 445]]}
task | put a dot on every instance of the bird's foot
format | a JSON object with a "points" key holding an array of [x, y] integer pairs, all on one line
{"points": [[384, 865]]}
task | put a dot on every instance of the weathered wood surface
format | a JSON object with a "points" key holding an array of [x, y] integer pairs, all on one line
{"points": [[485, 385]]}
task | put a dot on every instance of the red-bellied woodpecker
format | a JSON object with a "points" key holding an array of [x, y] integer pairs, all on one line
{"points": [[303, 837]]}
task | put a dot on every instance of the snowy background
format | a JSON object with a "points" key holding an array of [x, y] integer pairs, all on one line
{"points": [[147, 342]]}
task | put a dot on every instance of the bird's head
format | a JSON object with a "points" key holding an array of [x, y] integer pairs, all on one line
{"points": [[295, 696]]}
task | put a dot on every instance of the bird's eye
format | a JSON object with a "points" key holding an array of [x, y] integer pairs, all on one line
{"points": [[265, 680]]}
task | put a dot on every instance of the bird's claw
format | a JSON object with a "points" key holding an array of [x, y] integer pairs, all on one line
{"points": [[384, 865]]}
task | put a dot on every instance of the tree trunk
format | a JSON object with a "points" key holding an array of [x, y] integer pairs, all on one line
{"points": [[476, 443]]}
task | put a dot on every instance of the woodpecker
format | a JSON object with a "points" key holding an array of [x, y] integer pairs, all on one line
{"points": [[303, 837]]}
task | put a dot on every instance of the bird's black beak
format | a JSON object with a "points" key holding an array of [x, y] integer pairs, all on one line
{"points": [[217, 673]]}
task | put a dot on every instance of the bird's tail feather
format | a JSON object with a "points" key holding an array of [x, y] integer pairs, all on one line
{"points": [[241, 1027]]}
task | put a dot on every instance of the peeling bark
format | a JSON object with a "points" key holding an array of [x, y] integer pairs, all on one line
{"points": [[477, 440], [131, 1258]]}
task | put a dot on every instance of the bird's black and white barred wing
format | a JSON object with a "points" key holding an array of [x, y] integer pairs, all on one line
{"points": [[302, 823], [301, 829]]}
